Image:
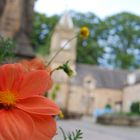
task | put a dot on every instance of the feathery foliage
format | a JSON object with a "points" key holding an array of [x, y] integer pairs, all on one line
{"points": [[77, 135]]}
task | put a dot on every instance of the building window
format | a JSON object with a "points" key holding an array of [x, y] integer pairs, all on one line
{"points": [[89, 83]]}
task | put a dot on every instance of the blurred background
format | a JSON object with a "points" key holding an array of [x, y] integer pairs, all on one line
{"points": [[103, 98]]}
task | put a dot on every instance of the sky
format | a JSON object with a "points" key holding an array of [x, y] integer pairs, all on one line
{"points": [[101, 8]]}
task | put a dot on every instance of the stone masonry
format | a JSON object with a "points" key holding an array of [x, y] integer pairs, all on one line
{"points": [[16, 23]]}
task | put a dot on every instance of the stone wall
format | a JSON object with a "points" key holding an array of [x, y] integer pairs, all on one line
{"points": [[108, 96], [62, 95], [80, 101], [130, 94], [119, 120], [10, 19]]}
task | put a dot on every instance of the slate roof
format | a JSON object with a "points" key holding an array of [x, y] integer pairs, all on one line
{"points": [[105, 78]]}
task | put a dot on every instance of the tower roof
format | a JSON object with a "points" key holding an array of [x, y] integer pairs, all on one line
{"points": [[66, 21]]}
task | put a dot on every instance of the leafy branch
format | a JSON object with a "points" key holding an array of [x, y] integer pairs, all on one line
{"points": [[77, 135]]}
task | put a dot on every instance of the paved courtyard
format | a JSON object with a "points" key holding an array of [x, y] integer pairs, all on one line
{"points": [[94, 131]]}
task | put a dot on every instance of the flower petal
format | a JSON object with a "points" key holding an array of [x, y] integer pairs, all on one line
{"points": [[25, 63], [45, 128], [38, 105], [10, 76], [37, 63], [35, 83], [15, 125], [34, 64]]}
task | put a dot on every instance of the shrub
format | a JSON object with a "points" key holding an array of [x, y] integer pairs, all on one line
{"points": [[6, 49], [108, 106], [135, 107]]}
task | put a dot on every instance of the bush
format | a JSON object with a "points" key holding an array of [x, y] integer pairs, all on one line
{"points": [[108, 106], [135, 107], [6, 49]]}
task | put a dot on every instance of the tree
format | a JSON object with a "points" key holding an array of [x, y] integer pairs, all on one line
{"points": [[42, 30], [113, 42], [89, 50], [120, 39]]}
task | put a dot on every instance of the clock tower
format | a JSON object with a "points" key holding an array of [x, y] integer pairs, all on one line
{"points": [[63, 32]]}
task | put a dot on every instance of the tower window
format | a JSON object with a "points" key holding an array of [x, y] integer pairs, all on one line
{"points": [[64, 43]]}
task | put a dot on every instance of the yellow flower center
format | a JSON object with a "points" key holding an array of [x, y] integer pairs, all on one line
{"points": [[84, 32], [7, 99]]}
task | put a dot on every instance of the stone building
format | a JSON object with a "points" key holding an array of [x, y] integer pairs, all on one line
{"points": [[131, 91], [93, 87], [16, 23]]}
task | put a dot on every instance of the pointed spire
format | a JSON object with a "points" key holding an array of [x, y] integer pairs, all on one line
{"points": [[66, 21]]}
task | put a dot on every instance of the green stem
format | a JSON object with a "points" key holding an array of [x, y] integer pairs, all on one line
{"points": [[54, 70], [60, 50], [64, 135]]}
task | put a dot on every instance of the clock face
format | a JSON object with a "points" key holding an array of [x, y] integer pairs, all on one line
{"points": [[65, 44]]}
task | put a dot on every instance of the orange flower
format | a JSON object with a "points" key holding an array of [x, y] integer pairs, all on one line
{"points": [[24, 113], [34, 64]]}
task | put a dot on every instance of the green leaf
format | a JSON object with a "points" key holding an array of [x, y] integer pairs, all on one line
{"points": [[76, 135]]}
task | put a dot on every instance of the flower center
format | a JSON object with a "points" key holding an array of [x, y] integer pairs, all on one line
{"points": [[84, 33], [7, 99]]}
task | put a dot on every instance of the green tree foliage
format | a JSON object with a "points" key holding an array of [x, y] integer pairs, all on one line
{"points": [[113, 42], [108, 106], [135, 107], [88, 50], [120, 38], [6, 50], [42, 30]]}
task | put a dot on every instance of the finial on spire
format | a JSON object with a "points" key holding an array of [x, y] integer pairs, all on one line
{"points": [[66, 5]]}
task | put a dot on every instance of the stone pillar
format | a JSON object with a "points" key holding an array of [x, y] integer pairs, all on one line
{"points": [[24, 47], [2, 6], [16, 23]]}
